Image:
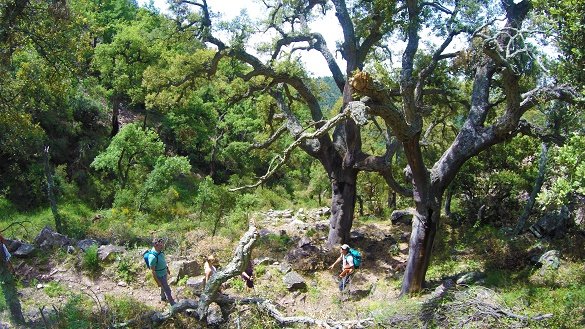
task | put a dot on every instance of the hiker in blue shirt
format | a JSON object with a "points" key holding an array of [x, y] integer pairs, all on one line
{"points": [[347, 266], [160, 271]]}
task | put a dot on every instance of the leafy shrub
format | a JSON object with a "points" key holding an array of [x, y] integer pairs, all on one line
{"points": [[126, 269], [90, 261]]}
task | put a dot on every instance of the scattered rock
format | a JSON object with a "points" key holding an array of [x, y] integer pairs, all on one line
{"points": [[70, 249], [196, 283], [552, 224], [12, 245], [182, 268], [264, 232], [356, 235], [40, 286], [47, 238], [294, 281], [24, 250], [321, 227], [401, 217], [304, 241], [86, 243], [285, 268], [263, 261], [550, 259], [104, 252], [122, 284], [470, 277], [214, 315]]}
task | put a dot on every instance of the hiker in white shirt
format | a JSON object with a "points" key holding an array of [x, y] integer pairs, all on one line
{"points": [[347, 266]]}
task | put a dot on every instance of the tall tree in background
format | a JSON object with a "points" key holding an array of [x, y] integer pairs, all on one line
{"points": [[499, 99], [340, 152]]}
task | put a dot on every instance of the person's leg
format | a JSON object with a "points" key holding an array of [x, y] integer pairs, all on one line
{"points": [[166, 290]]}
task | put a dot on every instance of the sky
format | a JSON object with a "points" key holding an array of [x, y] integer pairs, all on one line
{"points": [[314, 62]]}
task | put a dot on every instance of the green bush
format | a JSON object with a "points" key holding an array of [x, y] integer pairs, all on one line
{"points": [[90, 261], [126, 270]]}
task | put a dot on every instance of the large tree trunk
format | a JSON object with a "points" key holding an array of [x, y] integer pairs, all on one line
{"points": [[425, 220], [9, 290], [342, 207], [424, 229]]}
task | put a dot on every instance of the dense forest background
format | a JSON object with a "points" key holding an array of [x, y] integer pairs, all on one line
{"points": [[121, 122]]}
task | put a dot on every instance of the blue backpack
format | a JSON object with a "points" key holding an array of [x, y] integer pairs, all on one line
{"points": [[357, 257], [148, 253]]}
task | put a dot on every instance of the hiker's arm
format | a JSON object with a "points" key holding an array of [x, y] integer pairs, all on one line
{"points": [[155, 277], [336, 261]]}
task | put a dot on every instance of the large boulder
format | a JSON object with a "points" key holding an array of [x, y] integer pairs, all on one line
{"points": [[182, 268], [12, 245], [294, 281], [86, 244], [550, 259], [305, 258], [48, 238], [104, 252], [552, 224], [24, 250], [401, 216]]}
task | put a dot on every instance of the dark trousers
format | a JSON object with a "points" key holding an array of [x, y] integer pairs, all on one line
{"points": [[165, 290], [344, 282]]}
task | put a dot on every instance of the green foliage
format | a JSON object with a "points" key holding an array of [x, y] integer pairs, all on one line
{"points": [[3, 305], [133, 147], [165, 169], [125, 308], [568, 178], [127, 269], [76, 314], [90, 261]]}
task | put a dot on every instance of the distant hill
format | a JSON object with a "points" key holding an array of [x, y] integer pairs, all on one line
{"points": [[331, 93]]}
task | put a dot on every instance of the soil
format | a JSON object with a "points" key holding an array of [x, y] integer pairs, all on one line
{"points": [[48, 280]]}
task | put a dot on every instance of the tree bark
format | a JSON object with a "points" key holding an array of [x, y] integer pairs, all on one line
{"points": [[51, 193], [9, 290], [535, 190], [342, 208], [236, 266], [116, 105]]}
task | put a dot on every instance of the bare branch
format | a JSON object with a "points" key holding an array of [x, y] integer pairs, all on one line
{"points": [[271, 139], [282, 159], [437, 6], [21, 223], [235, 267], [544, 94]]}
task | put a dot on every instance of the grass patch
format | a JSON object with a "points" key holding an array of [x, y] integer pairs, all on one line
{"points": [[125, 308], [54, 289]]}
